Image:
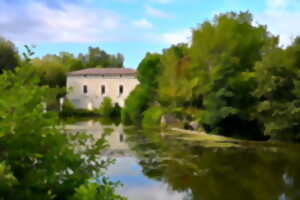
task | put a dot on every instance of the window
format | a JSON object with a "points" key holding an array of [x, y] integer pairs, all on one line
{"points": [[121, 90], [85, 89], [121, 138], [102, 90]]}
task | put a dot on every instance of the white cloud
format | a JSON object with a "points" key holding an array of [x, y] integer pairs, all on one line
{"points": [[157, 191], [36, 22], [143, 23], [285, 24], [275, 4], [281, 20], [156, 12], [182, 36]]}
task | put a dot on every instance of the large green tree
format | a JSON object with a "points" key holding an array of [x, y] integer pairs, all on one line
{"points": [[174, 87], [223, 53], [9, 58], [144, 94], [278, 90]]}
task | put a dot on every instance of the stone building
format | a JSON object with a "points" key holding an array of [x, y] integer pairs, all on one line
{"points": [[88, 87]]}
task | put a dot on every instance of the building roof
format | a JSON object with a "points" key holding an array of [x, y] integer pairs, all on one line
{"points": [[103, 71]]}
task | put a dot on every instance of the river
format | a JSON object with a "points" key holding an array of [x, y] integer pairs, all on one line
{"points": [[162, 166]]}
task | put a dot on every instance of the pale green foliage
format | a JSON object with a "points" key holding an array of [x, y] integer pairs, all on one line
{"points": [[135, 105], [143, 95], [106, 108], [149, 70], [174, 86], [96, 191], [152, 116], [7, 179]]}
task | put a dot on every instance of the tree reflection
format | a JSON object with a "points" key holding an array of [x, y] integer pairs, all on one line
{"points": [[219, 173]]}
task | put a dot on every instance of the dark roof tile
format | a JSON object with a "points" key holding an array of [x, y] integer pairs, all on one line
{"points": [[103, 71]]}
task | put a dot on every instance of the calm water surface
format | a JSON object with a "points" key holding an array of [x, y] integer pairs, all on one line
{"points": [[160, 166]]}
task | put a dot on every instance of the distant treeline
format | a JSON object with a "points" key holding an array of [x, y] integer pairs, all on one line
{"points": [[234, 78], [52, 68]]}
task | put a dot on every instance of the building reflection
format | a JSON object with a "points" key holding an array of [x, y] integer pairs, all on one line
{"points": [[114, 135]]}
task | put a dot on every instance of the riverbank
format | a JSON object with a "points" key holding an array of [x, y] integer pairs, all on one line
{"points": [[216, 141]]}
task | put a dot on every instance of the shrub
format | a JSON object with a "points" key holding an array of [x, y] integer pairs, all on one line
{"points": [[152, 116], [106, 108], [116, 111], [38, 159], [137, 102], [70, 111]]}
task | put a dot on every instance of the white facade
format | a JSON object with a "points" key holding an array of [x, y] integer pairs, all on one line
{"points": [[88, 91]]}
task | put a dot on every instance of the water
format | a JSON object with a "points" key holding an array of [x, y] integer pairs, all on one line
{"points": [[156, 166]]}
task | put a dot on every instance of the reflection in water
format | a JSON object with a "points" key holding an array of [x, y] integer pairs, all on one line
{"points": [[158, 167]]}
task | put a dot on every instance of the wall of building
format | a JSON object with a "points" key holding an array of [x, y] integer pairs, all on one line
{"points": [[94, 98]]}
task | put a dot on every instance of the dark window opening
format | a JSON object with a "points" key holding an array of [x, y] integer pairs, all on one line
{"points": [[121, 90], [121, 138], [102, 90], [85, 89]]}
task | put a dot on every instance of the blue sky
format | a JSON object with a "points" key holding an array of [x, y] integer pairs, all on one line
{"points": [[131, 27]]}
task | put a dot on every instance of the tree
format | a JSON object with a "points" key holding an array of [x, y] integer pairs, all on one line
{"points": [[51, 70], [9, 58], [106, 108], [278, 90], [137, 102], [223, 56], [38, 159], [143, 95], [99, 58], [174, 87], [149, 70]]}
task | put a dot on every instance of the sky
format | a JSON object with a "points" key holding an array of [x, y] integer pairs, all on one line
{"points": [[130, 27]]}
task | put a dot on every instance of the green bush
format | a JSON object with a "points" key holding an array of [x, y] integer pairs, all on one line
{"points": [[117, 111], [137, 102], [95, 191], [152, 116], [106, 108], [70, 111], [38, 159]]}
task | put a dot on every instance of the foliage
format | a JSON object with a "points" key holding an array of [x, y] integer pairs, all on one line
{"points": [[278, 89], [106, 108], [144, 94], [116, 111], [174, 87], [70, 111], [95, 191], [137, 102], [149, 70], [152, 116], [52, 69], [38, 159], [98, 57], [223, 55], [9, 58]]}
